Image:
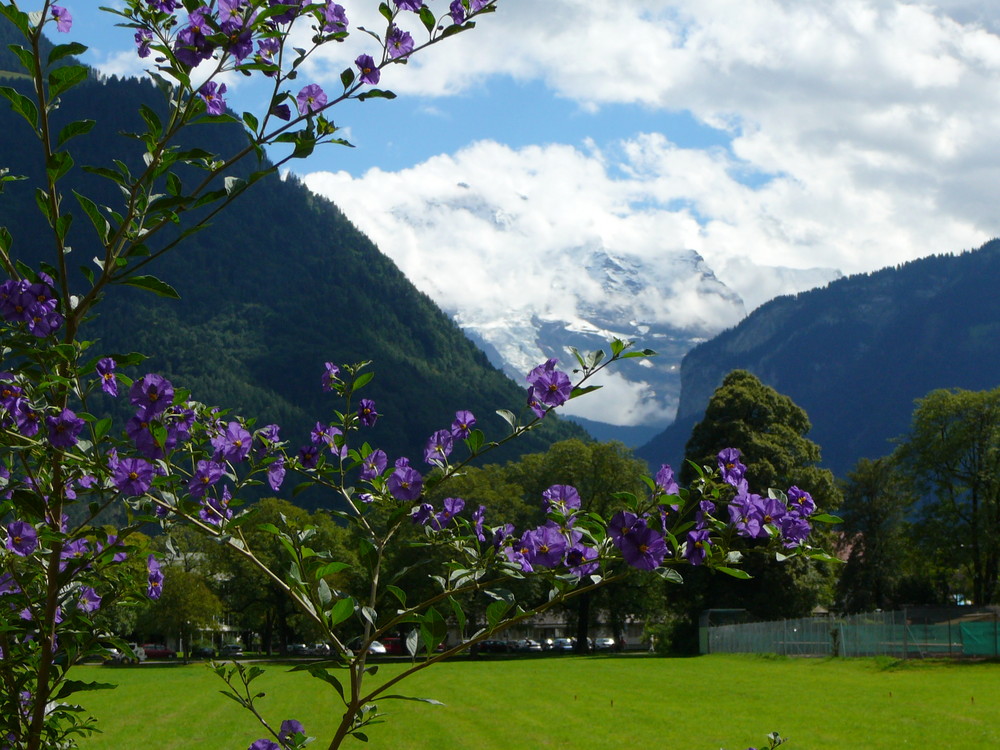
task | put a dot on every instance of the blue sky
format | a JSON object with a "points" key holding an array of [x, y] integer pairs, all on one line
{"points": [[785, 141]]}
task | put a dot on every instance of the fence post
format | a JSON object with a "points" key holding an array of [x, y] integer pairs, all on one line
{"points": [[906, 630]]}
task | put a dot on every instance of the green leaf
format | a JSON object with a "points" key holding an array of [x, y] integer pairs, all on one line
{"points": [[576, 392], [398, 593], [362, 380], [152, 120], [73, 129], [62, 225], [427, 19], [330, 569], [409, 697], [457, 28], [496, 611], [152, 284], [25, 56], [76, 686], [96, 218], [16, 17], [22, 105], [734, 572], [383, 8], [376, 94], [330, 679], [341, 611], [65, 50], [347, 78], [509, 417], [58, 164], [64, 78], [826, 518]]}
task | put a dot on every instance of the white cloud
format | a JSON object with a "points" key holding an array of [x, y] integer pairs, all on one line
{"points": [[877, 117]]}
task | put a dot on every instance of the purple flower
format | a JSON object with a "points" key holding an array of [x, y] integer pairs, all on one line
{"points": [[331, 376], [143, 39], [22, 539], [216, 510], [211, 93], [561, 498], [696, 549], [64, 429], [643, 548], [106, 371], [165, 6], [289, 728], [520, 553], [26, 418], [405, 483], [264, 744], [155, 578], [772, 510], [463, 424], [310, 99], [276, 473], [64, 21], [794, 530], [452, 507], [730, 466], [89, 600], [152, 394], [309, 456], [283, 112], [548, 386], [133, 476], [399, 43], [457, 11], [622, 524], [665, 481], [422, 514], [8, 585], [288, 15], [478, 516], [438, 448], [581, 560], [549, 546], [334, 18], [206, 474], [366, 412], [800, 502], [373, 465], [370, 73], [192, 45], [233, 444], [413, 5], [745, 515]]}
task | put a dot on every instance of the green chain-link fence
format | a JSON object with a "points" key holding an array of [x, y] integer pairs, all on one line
{"points": [[905, 634]]}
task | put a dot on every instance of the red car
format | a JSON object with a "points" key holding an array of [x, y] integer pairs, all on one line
{"points": [[158, 651]]}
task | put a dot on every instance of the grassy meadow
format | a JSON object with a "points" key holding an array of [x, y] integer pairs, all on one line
{"points": [[582, 703]]}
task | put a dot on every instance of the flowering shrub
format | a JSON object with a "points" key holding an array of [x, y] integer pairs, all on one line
{"points": [[178, 461]]}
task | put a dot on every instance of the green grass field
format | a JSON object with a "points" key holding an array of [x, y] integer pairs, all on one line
{"points": [[583, 703]]}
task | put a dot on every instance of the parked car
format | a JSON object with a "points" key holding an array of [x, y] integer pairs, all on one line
{"points": [[158, 651], [319, 649], [203, 652], [231, 650], [526, 645], [494, 647], [375, 648], [134, 655], [394, 646], [298, 649], [604, 644], [563, 645]]}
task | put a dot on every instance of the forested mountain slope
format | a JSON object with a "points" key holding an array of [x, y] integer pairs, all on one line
{"points": [[856, 353]]}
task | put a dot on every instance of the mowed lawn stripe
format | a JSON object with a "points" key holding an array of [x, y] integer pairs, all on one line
{"points": [[583, 703]]}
